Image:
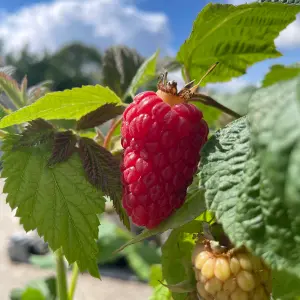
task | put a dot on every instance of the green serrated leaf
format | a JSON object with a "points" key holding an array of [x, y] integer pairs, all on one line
{"points": [[235, 36], [35, 133], [241, 195], [192, 208], [99, 116], [101, 168], [176, 258], [4, 112], [274, 120], [69, 104], [285, 286], [280, 73], [145, 73], [64, 145], [58, 201], [11, 89], [103, 171]]}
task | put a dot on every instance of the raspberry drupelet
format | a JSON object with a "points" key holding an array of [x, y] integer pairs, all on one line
{"points": [[162, 135], [234, 274]]}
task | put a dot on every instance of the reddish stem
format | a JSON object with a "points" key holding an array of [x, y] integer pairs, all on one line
{"points": [[110, 133]]}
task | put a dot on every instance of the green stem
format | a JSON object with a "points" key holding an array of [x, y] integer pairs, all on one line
{"points": [[206, 100], [62, 289], [75, 273]]}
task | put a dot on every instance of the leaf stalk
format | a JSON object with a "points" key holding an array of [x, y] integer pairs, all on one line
{"points": [[74, 280], [62, 289]]}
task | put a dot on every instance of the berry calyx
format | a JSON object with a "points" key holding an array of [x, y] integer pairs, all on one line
{"points": [[162, 136], [235, 274], [167, 91]]}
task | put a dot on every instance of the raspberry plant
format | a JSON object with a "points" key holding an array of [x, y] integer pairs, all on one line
{"points": [[245, 185]]}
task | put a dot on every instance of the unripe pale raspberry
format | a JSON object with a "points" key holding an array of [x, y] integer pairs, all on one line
{"points": [[208, 269], [222, 269], [230, 275], [162, 136]]}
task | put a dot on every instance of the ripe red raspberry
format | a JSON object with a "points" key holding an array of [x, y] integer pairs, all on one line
{"points": [[162, 142]]}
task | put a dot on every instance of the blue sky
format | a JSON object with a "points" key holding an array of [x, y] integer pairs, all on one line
{"points": [[143, 24]]}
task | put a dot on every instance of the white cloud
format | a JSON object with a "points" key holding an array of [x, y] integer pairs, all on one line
{"points": [[96, 22], [232, 86], [289, 37]]}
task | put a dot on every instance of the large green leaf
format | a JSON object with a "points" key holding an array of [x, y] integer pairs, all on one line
{"points": [[274, 118], [192, 208], [58, 201], [177, 253], [244, 201], [285, 286], [145, 73], [120, 65], [4, 112], [281, 73], [69, 104], [235, 36]]}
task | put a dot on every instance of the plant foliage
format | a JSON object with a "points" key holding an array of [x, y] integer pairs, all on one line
{"points": [[69, 104], [235, 36], [59, 202]]}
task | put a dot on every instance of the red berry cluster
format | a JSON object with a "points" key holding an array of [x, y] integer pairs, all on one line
{"points": [[162, 145]]}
